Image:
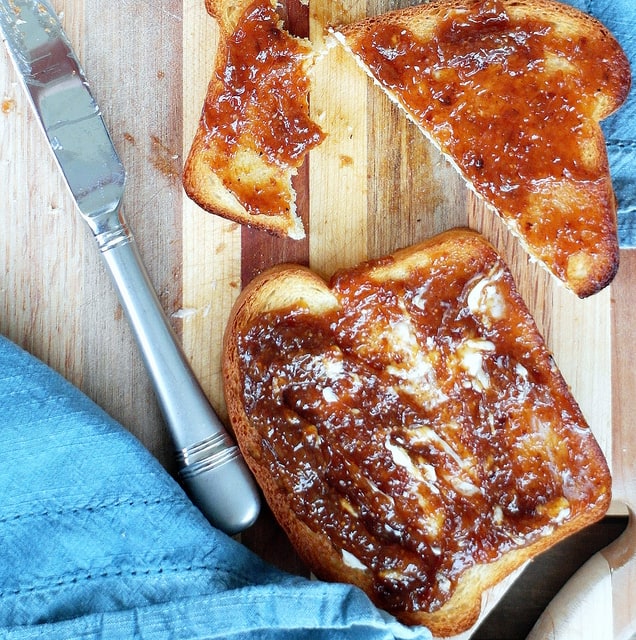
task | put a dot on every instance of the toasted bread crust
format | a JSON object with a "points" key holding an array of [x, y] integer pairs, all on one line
{"points": [[205, 188], [286, 289], [561, 204], [245, 179]]}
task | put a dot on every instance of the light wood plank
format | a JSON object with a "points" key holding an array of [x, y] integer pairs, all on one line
{"points": [[338, 171], [598, 601], [212, 246], [43, 246]]}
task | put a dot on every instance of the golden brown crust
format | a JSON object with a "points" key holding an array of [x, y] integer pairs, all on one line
{"points": [[287, 288], [570, 203]]}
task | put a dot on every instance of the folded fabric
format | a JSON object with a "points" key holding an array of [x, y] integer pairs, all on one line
{"points": [[619, 16], [98, 541]]}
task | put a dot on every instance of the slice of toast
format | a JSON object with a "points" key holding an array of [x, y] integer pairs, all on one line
{"points": [[512, 92], [255, 129], [408, 426]]}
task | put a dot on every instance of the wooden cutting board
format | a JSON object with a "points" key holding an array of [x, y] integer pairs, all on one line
{"points": [[375, 185]]}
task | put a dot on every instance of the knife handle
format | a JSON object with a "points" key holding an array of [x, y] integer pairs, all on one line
{"points": [[211, 467]]}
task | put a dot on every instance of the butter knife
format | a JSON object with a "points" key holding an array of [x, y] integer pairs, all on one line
{"points": [[210, 465]]}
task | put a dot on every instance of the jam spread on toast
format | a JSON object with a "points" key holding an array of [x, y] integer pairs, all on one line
{"points": [[512, 100], [260, 105], [421, 426]]}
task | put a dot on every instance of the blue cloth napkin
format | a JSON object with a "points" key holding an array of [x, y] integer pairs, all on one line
{"points": [[98, 541], [619, 16]]}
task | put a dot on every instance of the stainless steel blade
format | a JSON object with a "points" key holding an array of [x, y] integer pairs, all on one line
{"points": [[69, 114], [212, 469]]}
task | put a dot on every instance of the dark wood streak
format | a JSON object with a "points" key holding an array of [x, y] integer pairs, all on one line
{"points": [[259, 249]]}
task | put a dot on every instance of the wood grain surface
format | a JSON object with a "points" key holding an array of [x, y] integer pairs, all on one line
{"points": [[375, 185]]}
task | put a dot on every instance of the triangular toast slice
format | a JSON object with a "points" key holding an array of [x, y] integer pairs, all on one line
{"points": [[408, 426], [254, 130], [512, 92]]}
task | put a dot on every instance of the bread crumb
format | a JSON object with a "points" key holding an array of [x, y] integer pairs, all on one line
{"points": [[164, 160], [8, 105]]}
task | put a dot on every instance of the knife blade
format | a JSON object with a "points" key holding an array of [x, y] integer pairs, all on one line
{"points": [[211, 467]]}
